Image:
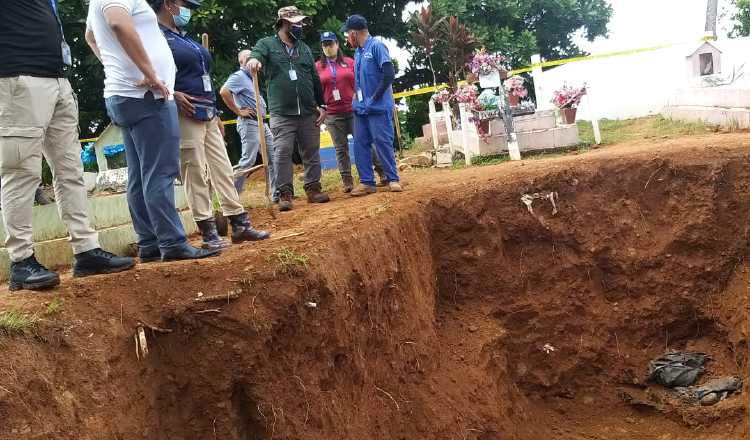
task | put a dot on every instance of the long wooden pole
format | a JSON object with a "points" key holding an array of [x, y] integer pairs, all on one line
{"points": [[261, 134]]}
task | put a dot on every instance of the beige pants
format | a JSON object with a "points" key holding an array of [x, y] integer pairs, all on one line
{"points": [[40, 116], [204, 159]]}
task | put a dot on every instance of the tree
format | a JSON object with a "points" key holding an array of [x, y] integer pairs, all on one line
{"points": [[426, 33], [519, 29], [459, 45], [742, 19]]}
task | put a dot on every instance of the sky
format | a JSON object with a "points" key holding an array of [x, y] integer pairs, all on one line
{"points": [[644, 23], [635, 24]]}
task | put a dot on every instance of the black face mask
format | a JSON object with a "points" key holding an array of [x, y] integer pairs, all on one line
{"points": [[295, 32]]}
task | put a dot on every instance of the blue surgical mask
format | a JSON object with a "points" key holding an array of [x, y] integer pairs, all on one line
{"points": [[296, 32], [182, 20]]}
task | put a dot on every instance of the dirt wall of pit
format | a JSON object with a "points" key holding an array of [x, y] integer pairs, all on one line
{"points": [[425, 318]]}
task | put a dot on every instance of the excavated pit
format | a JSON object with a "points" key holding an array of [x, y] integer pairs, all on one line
{"points": [[430, 322]]}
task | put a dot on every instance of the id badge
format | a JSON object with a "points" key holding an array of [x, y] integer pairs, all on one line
{"points": [[359, 96], [293, 74], [206, 82], [66, 56], [336, 95]]}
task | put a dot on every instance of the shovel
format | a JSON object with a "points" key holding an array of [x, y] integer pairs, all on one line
{"points": [[262, 136]]}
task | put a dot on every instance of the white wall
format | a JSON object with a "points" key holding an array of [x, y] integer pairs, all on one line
{"points": [[640, 84]]}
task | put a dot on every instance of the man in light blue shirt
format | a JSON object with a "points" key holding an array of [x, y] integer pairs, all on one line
{"points": [[239, 95], [372, 106]]}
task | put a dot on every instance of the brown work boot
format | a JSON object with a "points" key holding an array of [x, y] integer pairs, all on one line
{"points": [[285, 202], [383, 182], [348, 183], [363, 190], [315, 195], [395, 187]]}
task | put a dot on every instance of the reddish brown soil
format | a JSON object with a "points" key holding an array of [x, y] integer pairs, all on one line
{"points": [[432, 310]]}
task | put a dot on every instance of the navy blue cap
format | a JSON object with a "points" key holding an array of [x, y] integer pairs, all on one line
{"points": [[328, 36], [354, 23]]}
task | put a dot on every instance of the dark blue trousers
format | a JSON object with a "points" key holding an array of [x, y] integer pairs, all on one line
{"points": [[374, 129], [151, 134]]}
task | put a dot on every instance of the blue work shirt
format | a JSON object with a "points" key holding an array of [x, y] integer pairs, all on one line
{"points": [[240, 83], [193, 61], [368, 73]]}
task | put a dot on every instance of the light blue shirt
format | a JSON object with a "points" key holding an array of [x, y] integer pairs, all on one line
{"points": [[240, 83]]}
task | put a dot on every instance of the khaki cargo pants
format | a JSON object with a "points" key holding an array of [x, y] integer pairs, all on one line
{"points": [[204, 162], [39, 116]]}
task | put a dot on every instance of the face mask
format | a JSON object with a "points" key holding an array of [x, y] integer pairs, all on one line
{"points": [[183, 18], [330, 51], [296, 31]]}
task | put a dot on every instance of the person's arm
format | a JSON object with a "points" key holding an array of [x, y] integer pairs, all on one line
{"points": [[388, 76], [258, 56], [317, 91], [91, 41], [119, 20], [228, 98]]}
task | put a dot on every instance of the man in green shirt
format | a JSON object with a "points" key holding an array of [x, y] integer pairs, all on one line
{"points": [[295, 101]]}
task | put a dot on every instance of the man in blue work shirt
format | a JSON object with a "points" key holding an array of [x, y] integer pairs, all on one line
{"points": [[372, 105]]}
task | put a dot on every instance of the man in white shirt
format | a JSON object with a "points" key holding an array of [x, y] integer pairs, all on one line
{"points": [[140, 75]]}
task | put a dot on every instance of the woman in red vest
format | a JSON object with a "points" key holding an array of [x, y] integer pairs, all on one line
{"points": [[336, 73]]}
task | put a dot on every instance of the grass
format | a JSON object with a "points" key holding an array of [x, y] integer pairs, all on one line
{"points": [[13, 321], [54, 307], [290, 262], [623, 130]]}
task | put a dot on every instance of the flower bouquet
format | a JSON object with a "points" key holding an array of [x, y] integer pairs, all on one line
{"points": [[567, 100], [490, 68], [516, 90], [443, 97]]}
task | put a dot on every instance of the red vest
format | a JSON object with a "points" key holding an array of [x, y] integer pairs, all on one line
{"points": [[344, 83]]}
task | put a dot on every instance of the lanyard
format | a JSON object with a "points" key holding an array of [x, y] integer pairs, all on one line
{"points": [[332, 68], [53, 4], [195, 47], [289, 51], [358, 63]]}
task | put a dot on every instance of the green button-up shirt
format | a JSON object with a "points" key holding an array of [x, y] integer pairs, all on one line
{"points": [[287, 96]]}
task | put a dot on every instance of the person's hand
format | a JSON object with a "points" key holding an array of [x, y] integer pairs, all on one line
{"points": [[247, 112], [254, 65], [321, 116], [151, 82], [221, 127], [183, 104]]}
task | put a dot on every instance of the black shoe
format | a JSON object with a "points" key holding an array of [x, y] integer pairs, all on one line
{"points": [[285, 202], [187, 252], [242, 230], [211, 239], [29, 274], [98, 261], [149, 255]]}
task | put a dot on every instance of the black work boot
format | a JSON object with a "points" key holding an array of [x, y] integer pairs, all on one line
{"points": [[98, 261], [285, 202], [187, 252], [316, 195], [242, 230], [31, 275], [211, 239]]}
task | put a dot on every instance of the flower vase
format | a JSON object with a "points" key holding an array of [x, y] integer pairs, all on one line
{"points": [[569, 115], [513, 100]]}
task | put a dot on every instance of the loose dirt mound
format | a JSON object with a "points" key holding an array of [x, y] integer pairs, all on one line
{"points": [[447, 312]]}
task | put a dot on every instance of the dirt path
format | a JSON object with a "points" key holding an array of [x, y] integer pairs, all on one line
{"points": [[417, 315]]}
